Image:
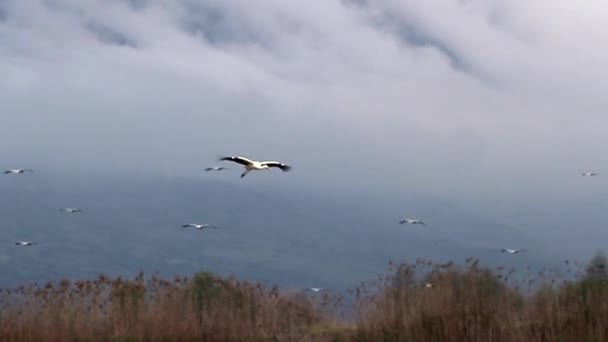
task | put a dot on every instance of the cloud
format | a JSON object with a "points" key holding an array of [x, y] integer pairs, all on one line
{"points": [[108, 35], [377, 93]]}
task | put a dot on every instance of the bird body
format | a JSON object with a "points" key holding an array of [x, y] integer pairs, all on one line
{"points": [[251, 165], [512, 251], [24, 243], [589, 174], [216, 168], [315, 289], [412, 221], [17, 171], [72, 210], [198, 226]]}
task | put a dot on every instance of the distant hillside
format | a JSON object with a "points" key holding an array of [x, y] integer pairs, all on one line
{"points": [[267, 234]]}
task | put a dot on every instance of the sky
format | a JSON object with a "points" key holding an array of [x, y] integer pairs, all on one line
{"points": [[455, 98]]}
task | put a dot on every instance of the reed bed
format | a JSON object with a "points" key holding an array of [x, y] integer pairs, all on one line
{"points": [[421, 301]]}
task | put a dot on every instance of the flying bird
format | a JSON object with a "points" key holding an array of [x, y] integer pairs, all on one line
{"points": [[589, 174], [512, 251], [198, 226], [412, 221], [72, 210], [216, 168], [315, 289], [251, 165], [24, 243], [428, 285], [17, 171]]}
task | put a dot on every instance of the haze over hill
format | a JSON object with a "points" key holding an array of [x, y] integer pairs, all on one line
{"points": [[269, 234]]}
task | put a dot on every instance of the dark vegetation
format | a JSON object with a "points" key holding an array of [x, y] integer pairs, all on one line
{"points": [[423, 301]]}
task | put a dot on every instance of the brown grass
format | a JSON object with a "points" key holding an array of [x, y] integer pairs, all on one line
{"points": [[466, 303]]}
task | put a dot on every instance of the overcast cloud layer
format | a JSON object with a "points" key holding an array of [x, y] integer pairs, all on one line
{"points": [[449, 96]]}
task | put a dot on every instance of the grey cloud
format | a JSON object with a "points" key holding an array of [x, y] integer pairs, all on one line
{"points": [[414, 36], [137, 4], [216, 24], [407, 31], [108, 35], [331, 85], [3, 13]]}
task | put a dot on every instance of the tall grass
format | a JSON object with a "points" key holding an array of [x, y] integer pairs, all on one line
{"points": [[422, 301], [205, 307], [478, 304]]}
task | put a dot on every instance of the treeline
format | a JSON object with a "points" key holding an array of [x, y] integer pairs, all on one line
{"points": [[423, 301]]}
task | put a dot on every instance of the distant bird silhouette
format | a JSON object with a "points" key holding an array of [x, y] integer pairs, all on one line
{"points": [[251, 165], [428, 285], [513, 251], [198, 226], [412, 221], [17, 171], [24, 243], [72, 210], [216, 168], [315, 289], [589, 174]]}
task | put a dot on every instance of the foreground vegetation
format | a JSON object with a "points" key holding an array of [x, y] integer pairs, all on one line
{"points": [[413, 302]]}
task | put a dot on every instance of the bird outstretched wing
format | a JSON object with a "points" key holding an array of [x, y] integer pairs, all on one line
{"points": [[205, 226], [238, 159], [283, 167]]}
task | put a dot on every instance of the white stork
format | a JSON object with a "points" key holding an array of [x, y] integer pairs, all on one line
{"points": [[412, 221], [589, 174], [216, 168], [24, 243], [72, 210], [17, 171], [512, 251], [256, 165], [198, 226]]}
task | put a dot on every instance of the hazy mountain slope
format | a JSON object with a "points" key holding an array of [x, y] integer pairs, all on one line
{"points": [[268, 234]]}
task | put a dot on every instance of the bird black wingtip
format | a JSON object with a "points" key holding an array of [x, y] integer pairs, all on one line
{"points": [[221, 158]]}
